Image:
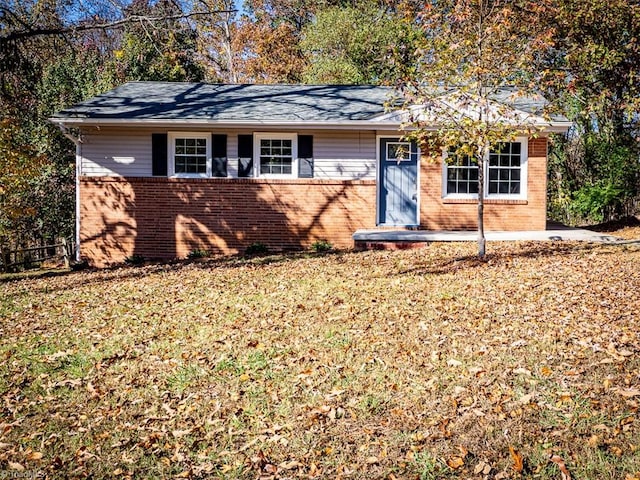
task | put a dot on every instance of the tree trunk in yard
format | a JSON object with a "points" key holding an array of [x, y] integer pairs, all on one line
{"points": [[482, 241], [481, 238]]}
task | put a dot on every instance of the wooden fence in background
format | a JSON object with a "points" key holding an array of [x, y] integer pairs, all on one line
{"points": [[11, 260]]}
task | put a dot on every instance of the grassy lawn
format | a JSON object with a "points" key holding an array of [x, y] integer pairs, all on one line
{"points": [[423, 364]]}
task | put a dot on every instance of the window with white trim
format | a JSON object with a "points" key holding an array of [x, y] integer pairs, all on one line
{"points": [[462, 175], [189, 154], [276, 154], [505, 173], [504, 170]]}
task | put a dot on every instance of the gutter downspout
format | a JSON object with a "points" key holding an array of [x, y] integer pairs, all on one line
{"points": [[78, 143]]}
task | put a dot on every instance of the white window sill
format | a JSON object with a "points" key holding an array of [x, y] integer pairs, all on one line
{"points": [[191, 175]]}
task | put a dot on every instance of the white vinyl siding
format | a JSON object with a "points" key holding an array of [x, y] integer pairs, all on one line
{"points": [[118, 154], [344, 155], [338, 154]]}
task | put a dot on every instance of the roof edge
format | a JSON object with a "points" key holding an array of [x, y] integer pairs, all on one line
{"points": [[546, 126]]}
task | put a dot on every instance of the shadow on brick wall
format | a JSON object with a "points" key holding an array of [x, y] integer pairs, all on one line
{"points": [[169, 218]]}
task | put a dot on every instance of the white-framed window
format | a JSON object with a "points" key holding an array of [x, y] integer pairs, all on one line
{"points": [[189, 154], [461, 175], [505, 173], [276, 154], [505, 169]]}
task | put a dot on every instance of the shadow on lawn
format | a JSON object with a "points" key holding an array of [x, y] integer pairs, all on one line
{"points": [[614, 225], [500, 258], [497, 257], [33, 274], [95, 276]]}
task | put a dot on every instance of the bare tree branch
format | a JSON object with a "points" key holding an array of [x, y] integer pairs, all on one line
{"points": [[30, 32]]}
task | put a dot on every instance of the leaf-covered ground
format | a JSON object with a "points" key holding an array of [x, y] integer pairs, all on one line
{"points": [[421, 364]]}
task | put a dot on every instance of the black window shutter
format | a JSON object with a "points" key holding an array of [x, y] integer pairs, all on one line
{"points": [[245, 155], [219, 154], [159, 154], [305, 156]]}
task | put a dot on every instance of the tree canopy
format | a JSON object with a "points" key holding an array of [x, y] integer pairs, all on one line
{"points": [[355, 45]]}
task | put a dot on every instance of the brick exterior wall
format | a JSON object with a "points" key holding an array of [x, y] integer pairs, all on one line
{"points": [[170, 217]]}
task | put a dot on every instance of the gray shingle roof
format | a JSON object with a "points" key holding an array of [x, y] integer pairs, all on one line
{"points": [[199, 101], [171, 102]]}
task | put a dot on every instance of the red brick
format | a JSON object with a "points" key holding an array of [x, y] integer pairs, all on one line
{"points": [[168, 218]]}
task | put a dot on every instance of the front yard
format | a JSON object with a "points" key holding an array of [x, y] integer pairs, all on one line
{"points": [[422, 364]]}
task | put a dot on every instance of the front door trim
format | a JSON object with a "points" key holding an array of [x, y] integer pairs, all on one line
{"points": [[380, 164]]}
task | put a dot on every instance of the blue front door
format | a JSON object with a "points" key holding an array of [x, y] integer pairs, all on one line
{"points": [[398, 191]]}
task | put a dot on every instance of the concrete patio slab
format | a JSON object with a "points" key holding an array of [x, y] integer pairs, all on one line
{"points": [[554, 232]]}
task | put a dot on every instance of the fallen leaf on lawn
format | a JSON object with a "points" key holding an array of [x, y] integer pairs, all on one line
{"points": [[290, 465], [617, 451], [33, 456], [452, 362], [93, 391], [181, 433], [563, 468], [458, 390], [565, 397], [518, 462], [170, 411], [455, 462], [463, 451], [482, 467], [270, 468], [372, 460], [593, 441], [16, 466], [545, 371], [526, 399], [627, 420], [334, 393], [628, 392], [60, 354]]}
